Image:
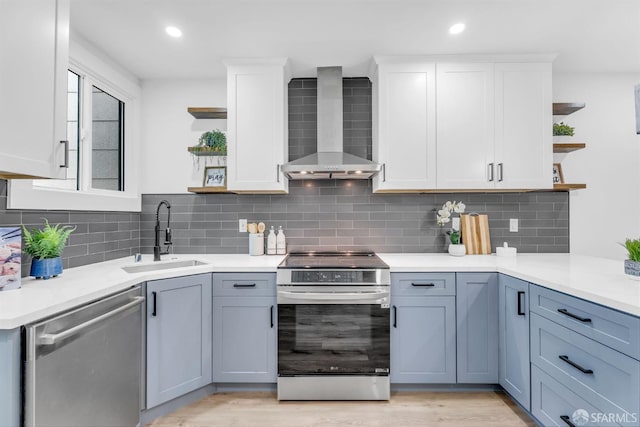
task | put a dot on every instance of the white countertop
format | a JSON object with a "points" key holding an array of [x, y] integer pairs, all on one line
{"points": [[594, 279]]}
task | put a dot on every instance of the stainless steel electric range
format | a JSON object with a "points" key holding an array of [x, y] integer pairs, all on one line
{"points": [[333, 326]]}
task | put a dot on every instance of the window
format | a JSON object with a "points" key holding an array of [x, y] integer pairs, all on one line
{"points": [[95, 130], [103, 113]]}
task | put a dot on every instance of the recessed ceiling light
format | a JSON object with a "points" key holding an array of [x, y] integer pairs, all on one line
{"points": [[456, 28], [173, 31]]}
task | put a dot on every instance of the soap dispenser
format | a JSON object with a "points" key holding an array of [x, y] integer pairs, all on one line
{"points": [[271, 242], [281, 242]]}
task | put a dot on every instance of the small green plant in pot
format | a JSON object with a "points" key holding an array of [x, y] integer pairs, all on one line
{"points": [[45, 247], [632, 265], [211, 142], [562, 129]]}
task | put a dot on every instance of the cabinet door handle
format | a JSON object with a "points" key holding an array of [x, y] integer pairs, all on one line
{"points": [[395, 316], [500, 172], [66, 154], [155, 302], [520, 312], [567, 420], [384, 172], [575, 365], [490, 171], [244, 285], [574, 316], [271, 317], [278, 172], [423, 285]]}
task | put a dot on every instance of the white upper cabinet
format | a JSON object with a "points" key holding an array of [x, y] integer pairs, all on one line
{"points": [[34, 56], [462, 123], [523, 117], [404, 131], [257, 133], [465, 133]]}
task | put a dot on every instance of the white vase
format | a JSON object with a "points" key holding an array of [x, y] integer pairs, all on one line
{"points": [[563, 138], [457, 250]]}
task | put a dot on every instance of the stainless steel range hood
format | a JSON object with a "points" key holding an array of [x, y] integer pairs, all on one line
{"points": [[330, 162]]}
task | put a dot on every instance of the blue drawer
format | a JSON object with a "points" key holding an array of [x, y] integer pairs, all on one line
{"points": [[610, 327], [604, 377], [244, 284], [423, 284], [551, 402]]}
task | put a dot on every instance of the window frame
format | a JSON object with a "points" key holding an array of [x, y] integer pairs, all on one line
{"points": [[25, 194]]}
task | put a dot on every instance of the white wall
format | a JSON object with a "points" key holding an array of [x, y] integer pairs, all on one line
{"points": [[608, 211], [168, 129]]}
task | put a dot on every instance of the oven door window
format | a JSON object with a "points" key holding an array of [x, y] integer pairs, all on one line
{"points": [[333, 339]]}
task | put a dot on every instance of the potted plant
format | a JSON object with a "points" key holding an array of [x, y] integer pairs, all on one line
{"points": [[562, 131], [45, 247], [632, 265], [213, 143], [456, 247]]}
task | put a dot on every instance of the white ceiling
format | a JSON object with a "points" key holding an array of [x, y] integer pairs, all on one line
{"points": [[587, 35]]}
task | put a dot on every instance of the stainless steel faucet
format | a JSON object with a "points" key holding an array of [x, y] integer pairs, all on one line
{"points": [[167, 232]]}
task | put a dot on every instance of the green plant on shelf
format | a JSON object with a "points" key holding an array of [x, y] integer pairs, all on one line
{"points": [[562, 129], [214, 141]]}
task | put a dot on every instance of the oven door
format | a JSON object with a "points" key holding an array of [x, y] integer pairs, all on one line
{"points": [[333, 333]]}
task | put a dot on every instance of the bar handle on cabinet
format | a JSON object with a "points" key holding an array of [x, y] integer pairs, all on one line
{"points": [[567, 420], [384, 172], [520, 312], [271, 317], [423, 285], [244, 285], [575, 365], [395, 316], [155, 298], [574, 316], [278, 172], [500, 167], [490, 171], [66, 154]]}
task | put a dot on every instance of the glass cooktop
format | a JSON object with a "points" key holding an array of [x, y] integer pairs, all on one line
{"points": [[333, 260]]}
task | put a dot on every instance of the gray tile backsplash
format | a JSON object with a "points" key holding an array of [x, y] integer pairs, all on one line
{"points": [[345, 215], [99, 236], [319, 215]]}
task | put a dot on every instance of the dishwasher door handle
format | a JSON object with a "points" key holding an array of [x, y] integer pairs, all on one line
{"points": [[51, 339]]}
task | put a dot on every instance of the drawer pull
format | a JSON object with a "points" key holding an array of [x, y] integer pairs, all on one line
{"points": [[271, 316], [520, 311], [423, 285], [575, 365], [567, 420], [244, 285], [574, 316]]}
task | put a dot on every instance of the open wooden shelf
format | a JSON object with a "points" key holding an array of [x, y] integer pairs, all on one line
{"points": [[208, 112], [566, 108], [567, 147], [207, 190], [568, 187]]}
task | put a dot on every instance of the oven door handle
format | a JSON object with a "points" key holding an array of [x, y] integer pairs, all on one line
{"points": [[335, 296]]}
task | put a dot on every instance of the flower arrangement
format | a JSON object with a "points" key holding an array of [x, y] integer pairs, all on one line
{"points": [[562, 129], [444, 216]]}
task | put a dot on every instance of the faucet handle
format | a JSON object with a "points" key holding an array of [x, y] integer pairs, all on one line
{"points": [[137, 257], [167, 238]]}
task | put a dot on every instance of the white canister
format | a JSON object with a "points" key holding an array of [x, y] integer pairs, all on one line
{"points": [[256, 244]]}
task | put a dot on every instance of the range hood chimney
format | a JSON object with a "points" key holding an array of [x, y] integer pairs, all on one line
{"points": [[330, 162]]}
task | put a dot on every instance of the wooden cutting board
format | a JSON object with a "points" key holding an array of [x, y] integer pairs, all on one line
{"points": [[475, 233]]}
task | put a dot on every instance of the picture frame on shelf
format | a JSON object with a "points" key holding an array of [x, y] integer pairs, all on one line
{"points": [[215, 176], [558, 177]]}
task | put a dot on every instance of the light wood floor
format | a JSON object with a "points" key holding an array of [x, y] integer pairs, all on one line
{"points": [[473, 409]]}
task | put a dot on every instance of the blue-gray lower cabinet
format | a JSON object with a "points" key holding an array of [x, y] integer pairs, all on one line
{"points": [[423, 339], [10, 368], [477, 331], [513, 325], [244, 328], [244, 336], [178, 336]]}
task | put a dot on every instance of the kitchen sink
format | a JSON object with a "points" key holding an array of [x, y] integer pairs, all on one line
{"points": [[162, 265]]}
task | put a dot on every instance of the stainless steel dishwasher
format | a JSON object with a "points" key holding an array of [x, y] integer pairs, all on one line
{"points": [[83, 367]]}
